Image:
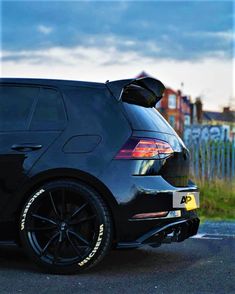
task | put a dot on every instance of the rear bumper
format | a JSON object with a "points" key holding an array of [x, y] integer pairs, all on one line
{"points": [[176, 231], [133, 195]]}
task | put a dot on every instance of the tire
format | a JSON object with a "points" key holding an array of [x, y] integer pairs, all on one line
{"points": [[65, 227]]}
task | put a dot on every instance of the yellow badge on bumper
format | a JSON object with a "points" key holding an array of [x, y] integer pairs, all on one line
{"points": [[190, 203], [187, 200]]}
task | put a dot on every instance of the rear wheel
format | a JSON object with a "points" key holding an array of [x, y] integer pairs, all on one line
{"points": [[65, 227]]}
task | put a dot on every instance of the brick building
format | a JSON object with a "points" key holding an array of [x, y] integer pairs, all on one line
{"points": [[174, 107]]}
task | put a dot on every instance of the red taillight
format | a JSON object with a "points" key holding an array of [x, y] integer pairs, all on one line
{"points": [[144, 148]]}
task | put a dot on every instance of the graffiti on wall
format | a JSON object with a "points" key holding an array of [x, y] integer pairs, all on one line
{"points": [[204, 133]]}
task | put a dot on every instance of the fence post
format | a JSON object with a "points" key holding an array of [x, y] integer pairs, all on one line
{"points": [[233, 161], [212, 167], [228, 159], [218, 160], [223, 160], [192, 159], [211, 160], [202, 157], [197, 160]]}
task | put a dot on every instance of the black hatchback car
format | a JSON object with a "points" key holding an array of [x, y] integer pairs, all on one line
{"points": [[85, 167]]}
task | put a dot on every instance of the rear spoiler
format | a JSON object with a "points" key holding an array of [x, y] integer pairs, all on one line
{"points": [[144, 91]]}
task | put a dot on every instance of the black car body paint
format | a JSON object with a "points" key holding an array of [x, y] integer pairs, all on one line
{"points": [[92, 126]]}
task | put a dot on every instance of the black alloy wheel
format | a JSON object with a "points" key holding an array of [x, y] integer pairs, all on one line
{"points": [[65, 227]]}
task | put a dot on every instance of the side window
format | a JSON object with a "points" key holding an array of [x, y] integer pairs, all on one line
{"points": [[16, 106], [49, 113]]}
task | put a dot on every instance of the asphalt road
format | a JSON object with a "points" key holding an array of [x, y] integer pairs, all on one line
{"points": [[200, 265]]}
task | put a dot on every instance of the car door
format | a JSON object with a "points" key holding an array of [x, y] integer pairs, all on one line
{"points": [[31, 118]]}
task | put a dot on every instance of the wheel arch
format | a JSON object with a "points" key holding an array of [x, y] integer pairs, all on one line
{"points": [[72, 174]]}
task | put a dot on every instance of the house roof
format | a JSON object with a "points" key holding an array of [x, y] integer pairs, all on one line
{"points": [[219, 116]]}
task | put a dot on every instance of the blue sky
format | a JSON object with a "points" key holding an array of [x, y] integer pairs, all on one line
{"points": [[177, 30], [177, 41]]}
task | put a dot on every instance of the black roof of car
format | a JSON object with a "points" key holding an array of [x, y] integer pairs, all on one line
{"points": [[50, 82], [153, 86]]}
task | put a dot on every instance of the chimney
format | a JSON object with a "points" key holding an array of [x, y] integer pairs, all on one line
{"points": [[226, 109], [198, 104]]}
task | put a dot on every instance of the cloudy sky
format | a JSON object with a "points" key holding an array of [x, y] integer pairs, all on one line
{"points": [[189, 42]]}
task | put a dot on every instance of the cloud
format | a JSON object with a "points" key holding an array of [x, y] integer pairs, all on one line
{"points": [[81, 56], [181, 30], [227, 35], [117, 51], [211, 77], [46, 30], [87, 40]]}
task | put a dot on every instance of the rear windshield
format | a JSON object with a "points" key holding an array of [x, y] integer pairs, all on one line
{"points": [[147, 119]]}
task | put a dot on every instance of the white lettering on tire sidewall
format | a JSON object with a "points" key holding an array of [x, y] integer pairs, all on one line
{"points": [[99, 239], [35, 196], [95, 249]]}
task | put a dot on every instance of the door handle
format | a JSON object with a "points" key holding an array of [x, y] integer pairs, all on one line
{"points": [[26, 147]]}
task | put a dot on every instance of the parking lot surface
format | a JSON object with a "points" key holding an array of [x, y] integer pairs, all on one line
{"points": [[205, 264]]}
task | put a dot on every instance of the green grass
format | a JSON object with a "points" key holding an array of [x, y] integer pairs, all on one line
{"points": [[217, 200]]}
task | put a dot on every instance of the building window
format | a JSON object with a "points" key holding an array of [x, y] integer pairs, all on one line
{"points": [[172, 120], [172, 101], [187, 120]]}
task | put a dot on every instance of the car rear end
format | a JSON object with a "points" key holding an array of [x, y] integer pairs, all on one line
{"points": [[149, 176]]}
